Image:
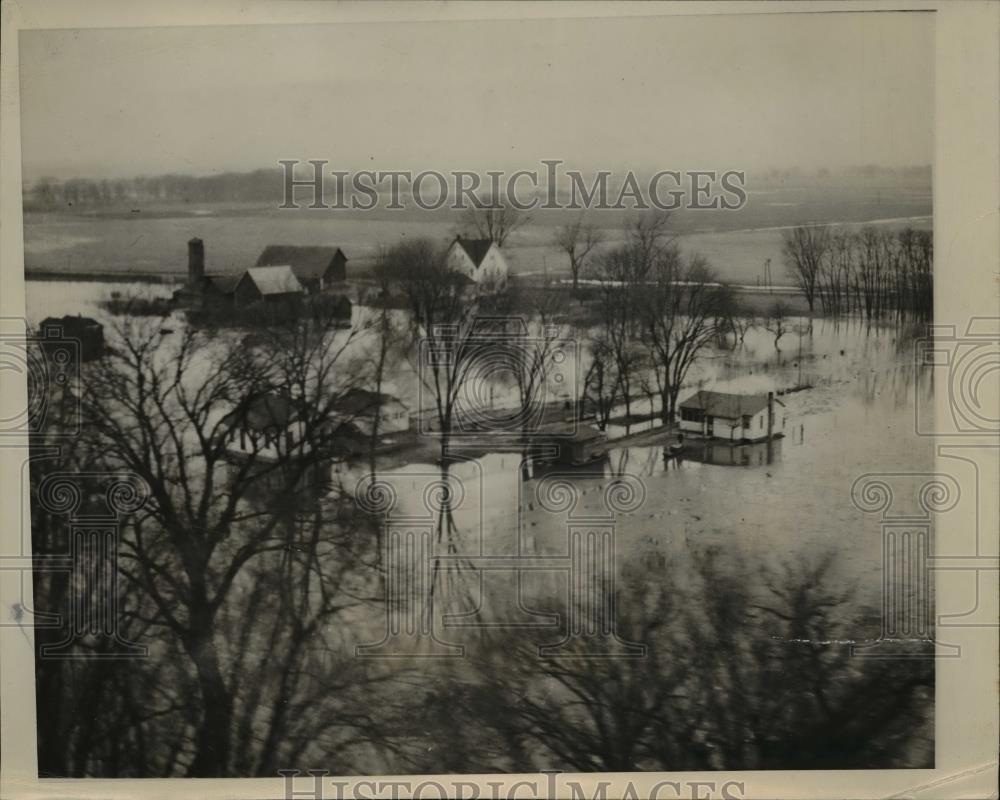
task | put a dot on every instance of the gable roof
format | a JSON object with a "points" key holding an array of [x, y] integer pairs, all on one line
{"points": [[225, 283], [308, 263], [728, 406], [274, 280], [476, 249], [263, 411]]}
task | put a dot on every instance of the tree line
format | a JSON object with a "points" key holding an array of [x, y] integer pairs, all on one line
{"points": [[50, 194], [874, 272]]}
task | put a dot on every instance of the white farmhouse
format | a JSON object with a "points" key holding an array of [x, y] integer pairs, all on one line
{"points": [[734, 417], [480, 260]]}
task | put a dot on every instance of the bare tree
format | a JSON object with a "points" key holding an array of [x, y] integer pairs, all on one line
{"points": [[621, 275], [156, 408], [682, 310], [773, 684], [778, 322], [601, 382], [444, 308], [804, 248], [446, 329], [385, 342], [649, 235], [578, 241], [492, 219]]}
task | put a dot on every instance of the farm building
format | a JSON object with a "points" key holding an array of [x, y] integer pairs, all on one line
{"points": [[733, 417], [571, 445], [202, 288], [359, 407], [480, 260], [87, 334], [316, 268], [273, 285], [265, 427], [585, 445]]}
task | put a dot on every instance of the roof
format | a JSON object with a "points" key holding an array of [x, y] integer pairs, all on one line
{"points": [[362, 402], [308, 263], [567, 431], [225, 283], [264, 411], [275, 280], [476, 249], [728, 406], [70, 324], [587, 433]]}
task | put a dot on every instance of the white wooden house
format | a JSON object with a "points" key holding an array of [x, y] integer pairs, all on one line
{"points": [[480, 260], [733, 417], [265, 428]]}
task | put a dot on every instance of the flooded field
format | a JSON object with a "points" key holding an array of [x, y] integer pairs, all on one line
{"points": [[699, 566], [793, 504], [711, 557], [736, 243]]}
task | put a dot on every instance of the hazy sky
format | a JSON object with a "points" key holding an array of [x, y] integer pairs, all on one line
{"points": [[805, 90]]}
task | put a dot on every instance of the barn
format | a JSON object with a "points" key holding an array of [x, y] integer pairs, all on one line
{"points": [[86, 333], [316, 268], [272, 285]]}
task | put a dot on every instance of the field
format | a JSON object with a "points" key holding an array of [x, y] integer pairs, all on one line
{"points": [[152, 241]]}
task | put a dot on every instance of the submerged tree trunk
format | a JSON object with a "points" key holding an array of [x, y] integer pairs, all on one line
{"points": [[212, 740]]}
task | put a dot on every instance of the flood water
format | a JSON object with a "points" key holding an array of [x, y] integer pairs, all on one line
{"points": [[497, 545], [787, 505], [857, 418]]}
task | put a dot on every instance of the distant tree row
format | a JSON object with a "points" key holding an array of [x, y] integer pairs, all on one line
{"points": [[874, 272], [49, 194]]}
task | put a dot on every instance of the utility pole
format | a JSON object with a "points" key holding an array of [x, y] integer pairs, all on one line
{"points": [[770, 416], [800, 356]]}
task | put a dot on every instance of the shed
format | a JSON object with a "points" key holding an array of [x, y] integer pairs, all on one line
{"points": [[734, 417], [56, 332]]}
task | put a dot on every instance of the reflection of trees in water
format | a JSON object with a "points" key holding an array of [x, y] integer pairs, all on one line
{"points": [[453, 577], [734, 678]]}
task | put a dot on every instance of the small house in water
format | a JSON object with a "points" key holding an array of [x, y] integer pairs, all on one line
{"points": [[265, 427], [84, 332], [267, 434], [584, 445], [318, 269], [733, 417]]}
